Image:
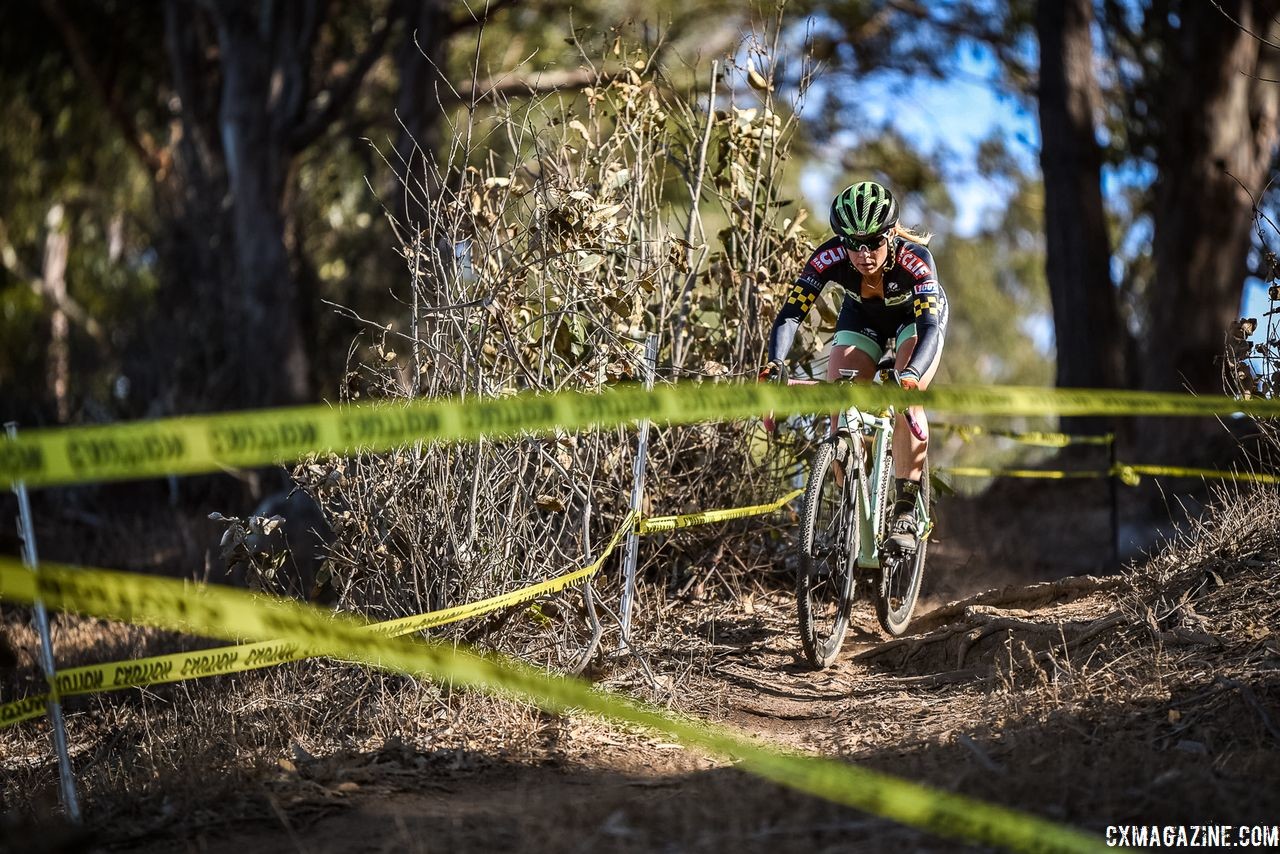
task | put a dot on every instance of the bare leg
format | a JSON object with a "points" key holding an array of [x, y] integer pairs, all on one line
{"points": [[908, 451]]}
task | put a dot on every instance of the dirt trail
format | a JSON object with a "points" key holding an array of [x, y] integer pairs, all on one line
{"points": [[1061, 698], [903, 708]]}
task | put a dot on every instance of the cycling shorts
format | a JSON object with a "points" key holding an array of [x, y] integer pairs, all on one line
{"points": [[858, 328]]}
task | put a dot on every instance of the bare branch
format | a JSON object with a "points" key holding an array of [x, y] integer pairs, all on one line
{"points": [[536, 83], [1241, 26], [11, 262], [467, 22], [333, 100], [153, 158]]}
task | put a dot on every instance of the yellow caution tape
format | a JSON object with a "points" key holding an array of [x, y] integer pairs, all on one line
{"points": [[1034, 437], [156, 670], [194, 444], [23, 710], [706, 517], [977, 471], [1129, 474], [408, 625], [176, 667], [223, 612]]}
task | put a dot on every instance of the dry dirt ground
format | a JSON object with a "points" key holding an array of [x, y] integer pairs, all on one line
{"points": [[1067, 700], [956, 720]]}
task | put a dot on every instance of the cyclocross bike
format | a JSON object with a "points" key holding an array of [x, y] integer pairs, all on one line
{"points": [[844, 527]]}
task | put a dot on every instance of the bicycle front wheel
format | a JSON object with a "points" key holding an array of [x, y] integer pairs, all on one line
{"points": [[828, 549], [900, 576]]}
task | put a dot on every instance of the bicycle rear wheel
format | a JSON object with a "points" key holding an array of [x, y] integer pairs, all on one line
{"points": [[828, 548], [900, 576]]}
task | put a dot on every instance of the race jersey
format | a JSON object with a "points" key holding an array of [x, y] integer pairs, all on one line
{"points": [[912, 294]]}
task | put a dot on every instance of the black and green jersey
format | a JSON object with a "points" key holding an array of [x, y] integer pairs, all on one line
{"points": [[912, 295]]}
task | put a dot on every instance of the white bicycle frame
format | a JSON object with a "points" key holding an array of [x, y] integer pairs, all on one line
{"points": [[856, 425]]}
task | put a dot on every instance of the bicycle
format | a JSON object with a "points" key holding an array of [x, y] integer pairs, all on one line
{"points": [[844, 527]]}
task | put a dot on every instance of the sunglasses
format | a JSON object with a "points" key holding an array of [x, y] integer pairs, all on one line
{"points": [[870, 244]]}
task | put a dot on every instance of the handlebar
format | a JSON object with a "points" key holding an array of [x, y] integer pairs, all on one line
{"points": [[919, 432]]}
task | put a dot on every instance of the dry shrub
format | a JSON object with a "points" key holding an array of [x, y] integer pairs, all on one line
{"points": [[1198, 618], [553, 237], [539, 250]]}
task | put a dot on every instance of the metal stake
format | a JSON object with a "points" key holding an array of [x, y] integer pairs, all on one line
{"points": [[632, 546], [1114, 487], [29, 559]]}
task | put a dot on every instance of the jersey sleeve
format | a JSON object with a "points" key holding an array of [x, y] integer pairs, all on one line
{"points": [[801, 298], [929, 303]]}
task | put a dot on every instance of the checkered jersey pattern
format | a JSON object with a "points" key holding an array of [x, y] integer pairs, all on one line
{"points": [[927, 305], [802, 298]]}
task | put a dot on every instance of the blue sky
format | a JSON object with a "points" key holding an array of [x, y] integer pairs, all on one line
{"points": [[950, 116], [1256, 303]]}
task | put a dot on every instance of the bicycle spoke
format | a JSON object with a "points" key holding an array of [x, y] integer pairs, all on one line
{"points": [[900, 575], [824, 583]]}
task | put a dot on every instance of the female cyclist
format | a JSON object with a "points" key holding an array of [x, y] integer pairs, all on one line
{"points": [[891, 294]]}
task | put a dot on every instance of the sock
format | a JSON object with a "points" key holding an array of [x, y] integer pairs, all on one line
{"points": [[907, 492]]}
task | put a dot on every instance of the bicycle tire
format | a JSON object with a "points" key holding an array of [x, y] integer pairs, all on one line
{"points": [[828, 551], [900, 577]]}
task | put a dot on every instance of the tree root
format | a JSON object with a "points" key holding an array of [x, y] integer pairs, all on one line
{"points": [[978, 622], [1022, 596]]}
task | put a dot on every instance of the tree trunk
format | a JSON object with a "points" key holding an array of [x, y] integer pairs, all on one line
{"points": [[1085, 313], [53, 276], [254, 125], [420, 57], [184, 363], [1213, 159]]}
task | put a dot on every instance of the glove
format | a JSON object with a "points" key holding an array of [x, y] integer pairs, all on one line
{"points": [[910, 382], [775, 370]]}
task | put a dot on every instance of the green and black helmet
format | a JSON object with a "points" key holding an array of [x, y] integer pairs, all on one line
{"points": [[863, 214]]}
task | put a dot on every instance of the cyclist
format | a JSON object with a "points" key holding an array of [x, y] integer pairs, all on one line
{"points": [[892, 293]]}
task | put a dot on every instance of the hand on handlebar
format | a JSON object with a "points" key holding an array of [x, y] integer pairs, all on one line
{"points": [[910, 382], [776, 371]]}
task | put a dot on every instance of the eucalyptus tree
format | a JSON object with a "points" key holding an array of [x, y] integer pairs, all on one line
{"points": [[1078, 252], [250, 123], [1201, 105], [217, 102]]}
